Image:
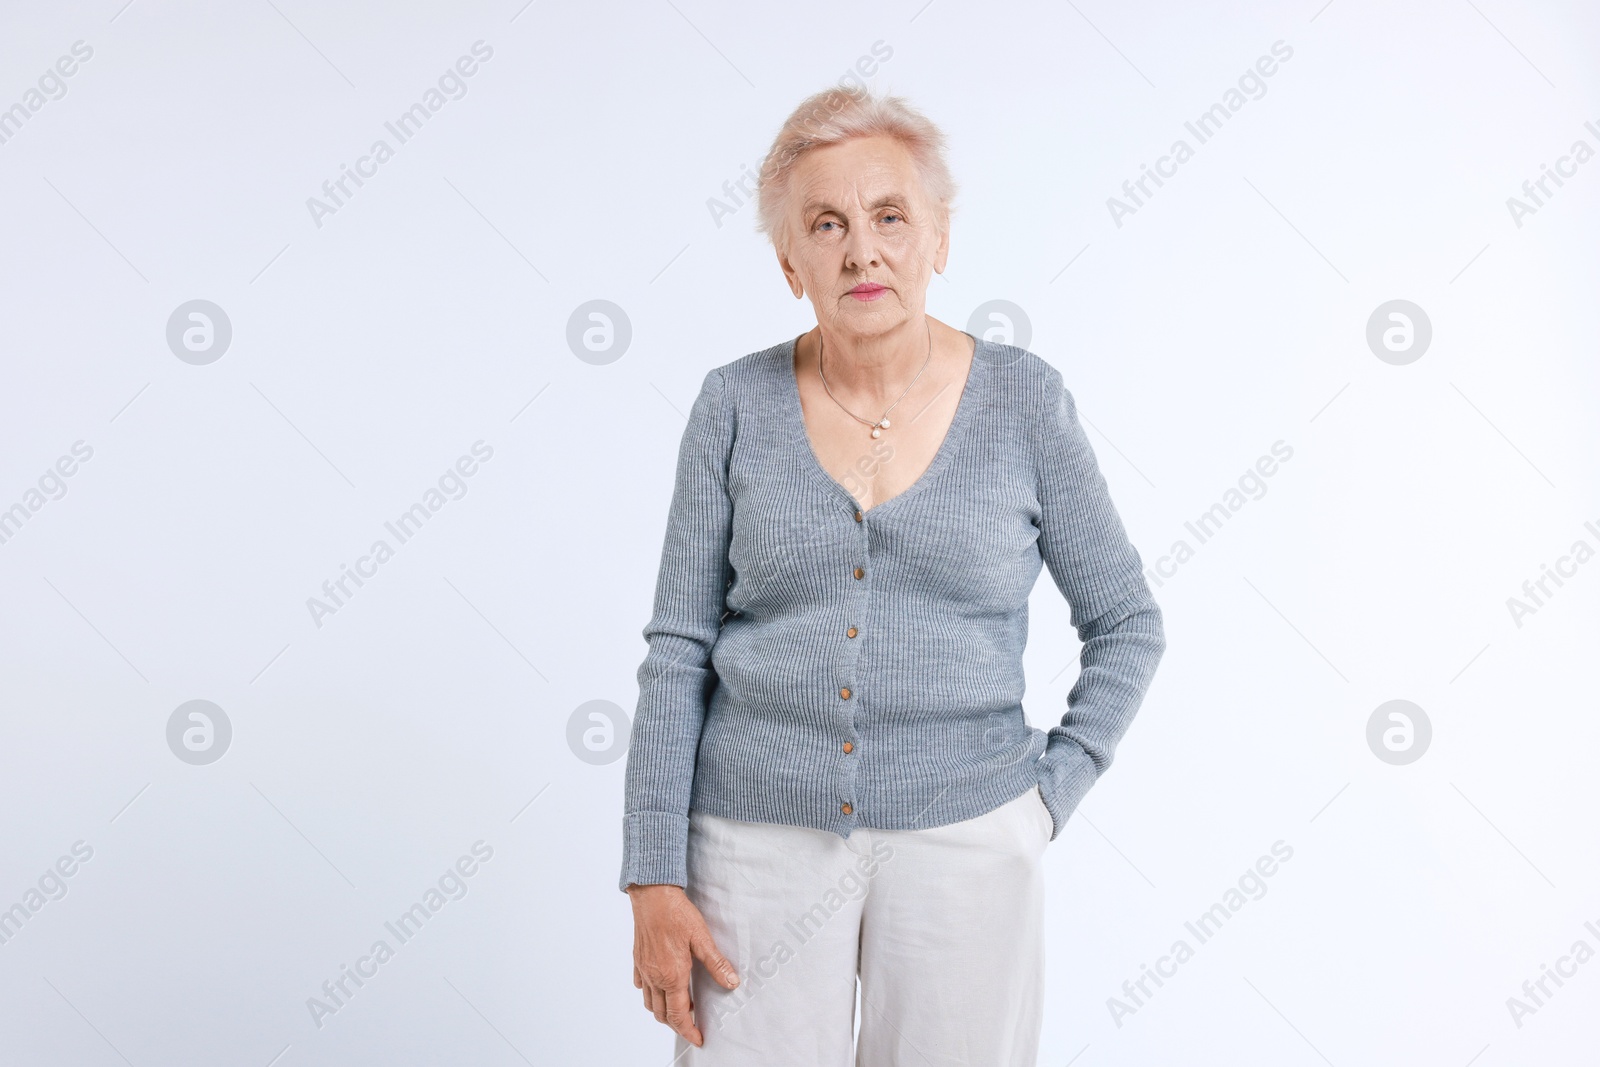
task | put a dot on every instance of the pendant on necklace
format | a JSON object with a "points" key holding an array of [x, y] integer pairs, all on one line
{"points": [[884, 423]]}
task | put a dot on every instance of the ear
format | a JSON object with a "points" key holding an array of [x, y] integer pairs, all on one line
{"points": [[791, 275], [941, 255]]}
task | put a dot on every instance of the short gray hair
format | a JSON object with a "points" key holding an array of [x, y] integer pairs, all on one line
{"points": [[836, 115]]}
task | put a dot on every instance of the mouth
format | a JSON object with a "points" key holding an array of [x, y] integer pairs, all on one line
{"points": [[868, 291]]}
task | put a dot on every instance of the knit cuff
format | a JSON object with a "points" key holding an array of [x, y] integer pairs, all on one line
{"points": [[1065, 774], [655, 849]]}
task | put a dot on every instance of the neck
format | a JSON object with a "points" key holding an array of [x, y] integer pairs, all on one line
{"points": [[877, 366]]}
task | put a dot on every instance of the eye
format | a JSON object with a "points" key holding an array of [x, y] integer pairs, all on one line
{"points": [[826, 222], [895, 215]]}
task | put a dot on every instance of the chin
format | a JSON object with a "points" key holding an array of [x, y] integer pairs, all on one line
{"points": [[878, 309]]}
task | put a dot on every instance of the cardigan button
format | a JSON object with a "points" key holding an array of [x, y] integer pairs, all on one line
{"points": [[860, 573], [849, 748], [858, 516], [847, 809], [850, 632], [845, 693]]}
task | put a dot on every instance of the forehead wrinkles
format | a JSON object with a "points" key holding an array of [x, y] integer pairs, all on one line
{"points": [[857, 189]]}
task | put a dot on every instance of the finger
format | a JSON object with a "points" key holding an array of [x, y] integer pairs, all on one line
{"points": [[638, 979], [705, 949], [658, 1004], [680, 1015]]}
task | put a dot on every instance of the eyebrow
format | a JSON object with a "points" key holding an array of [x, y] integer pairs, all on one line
{"points": [[882, 201]]}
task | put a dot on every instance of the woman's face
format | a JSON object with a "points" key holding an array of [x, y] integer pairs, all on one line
{"points": [[858, 216]]}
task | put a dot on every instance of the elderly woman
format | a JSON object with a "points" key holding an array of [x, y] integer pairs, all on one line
{"points": [[831, 779]]}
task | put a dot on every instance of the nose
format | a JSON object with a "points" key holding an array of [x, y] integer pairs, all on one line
{"points": [[861, 248]]}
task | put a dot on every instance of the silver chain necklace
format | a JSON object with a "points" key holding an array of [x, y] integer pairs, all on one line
{"points": [[882, 423]]}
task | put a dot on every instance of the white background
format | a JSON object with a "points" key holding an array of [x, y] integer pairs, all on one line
{"points": [[430, 312]]}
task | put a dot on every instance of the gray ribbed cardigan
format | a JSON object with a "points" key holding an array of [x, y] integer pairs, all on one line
{"points": [[753, 684]]}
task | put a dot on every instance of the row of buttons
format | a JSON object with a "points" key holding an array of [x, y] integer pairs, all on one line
{"points": [[845, 693]]}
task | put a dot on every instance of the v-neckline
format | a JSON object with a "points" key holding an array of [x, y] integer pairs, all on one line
{"points": [[941, 457]]}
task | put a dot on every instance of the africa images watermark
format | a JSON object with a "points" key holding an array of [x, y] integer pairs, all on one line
{"points": [[598, 732], [52, 885], [1207, 926], [52, 86], [1566, 967], [451, 885], [51, 485], [852, 885], [404, 527], [1566, 566], [1566, 167], [1210, 521], [337, 191], [741, 190], [1204, 127]]}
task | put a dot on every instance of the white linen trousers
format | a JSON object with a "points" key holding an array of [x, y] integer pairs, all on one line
{"points": [[943, 926]]}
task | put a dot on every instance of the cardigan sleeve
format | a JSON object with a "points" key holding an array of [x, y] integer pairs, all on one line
{"points": [[676, 679], [1098, 571]]}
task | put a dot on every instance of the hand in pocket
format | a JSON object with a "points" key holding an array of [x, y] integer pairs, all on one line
{"points": [[1045, 817]]}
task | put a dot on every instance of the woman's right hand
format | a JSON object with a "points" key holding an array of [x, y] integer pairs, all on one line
{"points": [[669, 934]]}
